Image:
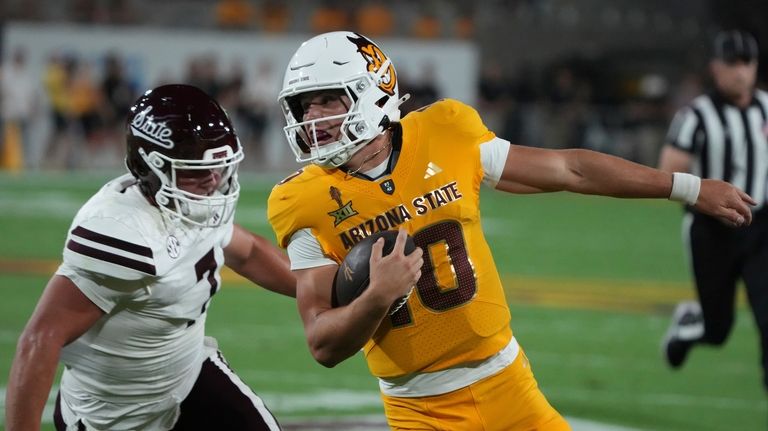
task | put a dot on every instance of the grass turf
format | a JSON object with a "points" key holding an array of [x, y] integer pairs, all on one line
{"points": [[590, 282]]}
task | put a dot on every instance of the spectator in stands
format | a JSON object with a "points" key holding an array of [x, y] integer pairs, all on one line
{"points": [[493, 86], [202, 72], [329, 16], [464, 26], [493, 90], [57, 81], [118, 94], [86, 101], [19, 103], [234, 14], [122, 12], [27, 10], [274, 16], [232, 97], [374, 18], [427, 25], [258, 107]]}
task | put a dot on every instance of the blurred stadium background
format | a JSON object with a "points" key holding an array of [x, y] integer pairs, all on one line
{"points": [[590, 281]]}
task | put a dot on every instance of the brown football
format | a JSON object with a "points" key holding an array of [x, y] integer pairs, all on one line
{"points": [[353, 276]]}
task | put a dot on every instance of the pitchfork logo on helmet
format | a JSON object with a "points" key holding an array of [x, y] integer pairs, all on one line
{"points": [[376, 59], [345, 63]]}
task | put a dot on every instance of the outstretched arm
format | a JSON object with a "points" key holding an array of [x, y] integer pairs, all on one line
{"points": [[590, 172], [258, 260], [62, 314]]}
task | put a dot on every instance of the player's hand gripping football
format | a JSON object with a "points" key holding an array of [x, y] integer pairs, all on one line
{"points": [[725, 202], [393, 275]]}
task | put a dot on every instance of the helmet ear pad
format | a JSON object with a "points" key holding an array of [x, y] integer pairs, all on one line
{"points": [[149, 184]]}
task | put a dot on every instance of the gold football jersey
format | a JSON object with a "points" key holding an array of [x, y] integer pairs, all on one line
{"points": [[458, 312]]}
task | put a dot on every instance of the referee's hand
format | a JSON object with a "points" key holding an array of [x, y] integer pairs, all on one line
{"points": [[725, 202]]}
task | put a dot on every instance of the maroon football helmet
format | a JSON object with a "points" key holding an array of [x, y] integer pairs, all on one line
{"points": [[176, 128]]}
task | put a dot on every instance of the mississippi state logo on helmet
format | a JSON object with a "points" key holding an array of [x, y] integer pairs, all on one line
{"points": [[343, 63], [175, 128]]}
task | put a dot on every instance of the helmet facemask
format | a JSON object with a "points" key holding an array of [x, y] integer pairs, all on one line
{"points": [[177, 204], [333, 62]]}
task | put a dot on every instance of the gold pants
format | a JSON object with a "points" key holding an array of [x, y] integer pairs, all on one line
{"points": [[507, 401]]}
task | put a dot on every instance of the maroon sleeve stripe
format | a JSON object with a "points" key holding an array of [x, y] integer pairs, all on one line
{"points": [[111, 258], [112, 242]]}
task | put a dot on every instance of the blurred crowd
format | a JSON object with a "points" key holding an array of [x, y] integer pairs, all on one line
{"points": [[86, 102], [617, 103], [375, 18], [561, 108], [81, 105]]}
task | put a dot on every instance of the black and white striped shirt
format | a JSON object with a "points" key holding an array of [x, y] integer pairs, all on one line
{"points": [[727, 142]]}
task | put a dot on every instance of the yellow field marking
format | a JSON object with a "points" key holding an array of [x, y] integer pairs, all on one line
{"points": [[28, 266], [620, 295], [598, 294]]}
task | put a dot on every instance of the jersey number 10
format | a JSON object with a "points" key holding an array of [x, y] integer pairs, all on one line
{"points": [[447, 236]]}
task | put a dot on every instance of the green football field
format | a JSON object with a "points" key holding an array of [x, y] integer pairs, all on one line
{"points": [[591, 283]]}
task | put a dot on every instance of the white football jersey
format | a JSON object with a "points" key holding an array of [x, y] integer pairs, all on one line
{"points": [[154, 281]]}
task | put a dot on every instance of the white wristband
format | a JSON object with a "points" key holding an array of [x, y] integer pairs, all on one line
{"points": [[685, 188]]}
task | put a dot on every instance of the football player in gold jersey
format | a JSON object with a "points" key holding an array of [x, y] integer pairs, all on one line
{"points": [[446, 359]]}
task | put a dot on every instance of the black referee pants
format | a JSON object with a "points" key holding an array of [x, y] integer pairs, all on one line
{"points": [[721, 256]]}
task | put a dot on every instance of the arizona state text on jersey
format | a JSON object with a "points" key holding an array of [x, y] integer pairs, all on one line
{"points": [[458, 313]]}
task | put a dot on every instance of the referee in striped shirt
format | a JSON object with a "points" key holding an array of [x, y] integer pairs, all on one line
{"points": [[722, 135]]}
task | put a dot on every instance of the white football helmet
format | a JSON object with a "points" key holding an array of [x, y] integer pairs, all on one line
{"points": [[344, 61]]}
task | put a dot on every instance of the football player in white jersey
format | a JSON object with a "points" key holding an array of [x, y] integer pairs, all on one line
{"points": [[125, 312]]}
